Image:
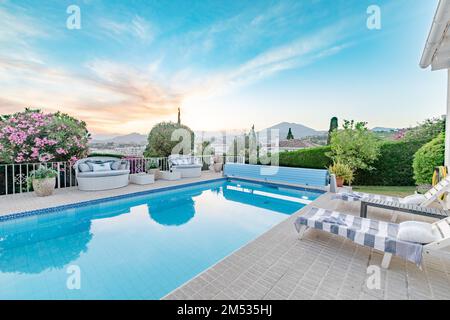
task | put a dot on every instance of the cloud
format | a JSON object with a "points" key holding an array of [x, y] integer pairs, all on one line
{"points": [[107, 95], [114, 96], [294, 54], [137, 27], [19, 27], [18, 33]]}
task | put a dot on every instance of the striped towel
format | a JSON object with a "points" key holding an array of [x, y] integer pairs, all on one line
{"points": [[358, 196], [375, 234]]}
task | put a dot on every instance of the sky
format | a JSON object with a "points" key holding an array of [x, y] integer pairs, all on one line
{"points": [[228, 64]]}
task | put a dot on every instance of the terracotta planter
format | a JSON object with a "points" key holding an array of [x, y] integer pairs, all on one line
{"points": [[44, 187], [339, 182]]}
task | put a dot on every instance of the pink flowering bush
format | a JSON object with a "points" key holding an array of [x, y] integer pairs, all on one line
{"points": [[34, 136]]}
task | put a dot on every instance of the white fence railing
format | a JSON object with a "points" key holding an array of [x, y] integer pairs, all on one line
{"points": [[13, 177]]}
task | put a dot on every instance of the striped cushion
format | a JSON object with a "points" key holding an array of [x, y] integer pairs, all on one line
{"points": [[358, 196], [375, 234]]}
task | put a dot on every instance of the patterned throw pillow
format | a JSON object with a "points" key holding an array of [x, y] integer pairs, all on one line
{"points": [[97, 167], [123, 165], [116, 165]]}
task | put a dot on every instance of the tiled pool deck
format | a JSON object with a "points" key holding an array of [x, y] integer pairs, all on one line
{"points": [[279, 266], [321, 266]]}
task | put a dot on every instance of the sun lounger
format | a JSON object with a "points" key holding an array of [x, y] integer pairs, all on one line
{"points": [[375, 234], [402, 207], [414, 204]]}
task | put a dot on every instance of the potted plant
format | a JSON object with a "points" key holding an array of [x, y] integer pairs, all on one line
{"points": [[342, 172], [43, 181], [153, 167]]}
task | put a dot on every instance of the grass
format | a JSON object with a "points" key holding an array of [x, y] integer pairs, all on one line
{"points": [[387, 190]]}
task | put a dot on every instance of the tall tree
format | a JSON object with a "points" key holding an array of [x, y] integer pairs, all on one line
{"points": [[162, 143], [333, 127], [290, 136], [179, 117]]}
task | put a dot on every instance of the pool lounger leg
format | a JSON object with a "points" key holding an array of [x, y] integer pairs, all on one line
{"points": [[302, 231], [386, 260]]}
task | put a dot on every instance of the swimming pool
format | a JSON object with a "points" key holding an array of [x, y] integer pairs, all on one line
{"points": [[138, 247]]}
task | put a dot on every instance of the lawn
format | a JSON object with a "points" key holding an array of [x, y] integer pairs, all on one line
{"points": [[387, 190]]}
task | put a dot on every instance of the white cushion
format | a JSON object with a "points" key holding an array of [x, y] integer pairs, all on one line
{"points": [[83, 167], [97, 167], [419, 232], [415, 199], [111, 173], [116, 165]]}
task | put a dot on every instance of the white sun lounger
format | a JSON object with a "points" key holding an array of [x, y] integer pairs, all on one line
{"points": [[424, 200], [375, 234]]}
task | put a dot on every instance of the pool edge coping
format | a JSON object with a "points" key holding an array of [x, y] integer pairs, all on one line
{"points": [[55, 209]]}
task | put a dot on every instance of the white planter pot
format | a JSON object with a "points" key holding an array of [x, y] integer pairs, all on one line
{"points": [[218, 167], [154, 172], [44, 187]]}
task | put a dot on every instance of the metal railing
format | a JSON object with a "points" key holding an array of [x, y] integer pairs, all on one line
{"points": [[13, 177]]}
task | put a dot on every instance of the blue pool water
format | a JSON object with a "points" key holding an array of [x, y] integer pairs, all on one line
{"points": [[141, 247]]}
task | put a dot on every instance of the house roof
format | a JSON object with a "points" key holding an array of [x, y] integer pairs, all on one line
{"points": [[296, 143], [437, 49]]}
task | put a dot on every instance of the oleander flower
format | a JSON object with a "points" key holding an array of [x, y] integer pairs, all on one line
{"points": [[32, 135]]}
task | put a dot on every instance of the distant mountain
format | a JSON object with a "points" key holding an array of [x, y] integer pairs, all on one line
{"points": [[298, 130], [132, 138]]}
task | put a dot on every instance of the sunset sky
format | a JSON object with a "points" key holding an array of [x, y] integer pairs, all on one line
{"points": [[228, 64]]}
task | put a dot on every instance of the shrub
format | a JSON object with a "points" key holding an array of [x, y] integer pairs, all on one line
{"points": [[314, 158], [33, 136], [354, 145], [342, 171], [393, 167], [427, 158], [426, 131], [160, 142], [152, 164]]}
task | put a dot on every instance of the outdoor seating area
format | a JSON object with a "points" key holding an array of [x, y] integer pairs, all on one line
{"points": [[188, 166], [101, 173], [104, 173], [408, 240]]}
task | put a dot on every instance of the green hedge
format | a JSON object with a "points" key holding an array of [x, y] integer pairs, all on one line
{"points": [[314, 158], [428, 157], [393, 167], [110, 155]]}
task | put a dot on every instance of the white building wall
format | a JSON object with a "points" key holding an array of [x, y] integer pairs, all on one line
{"points": [[447, 124]]}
